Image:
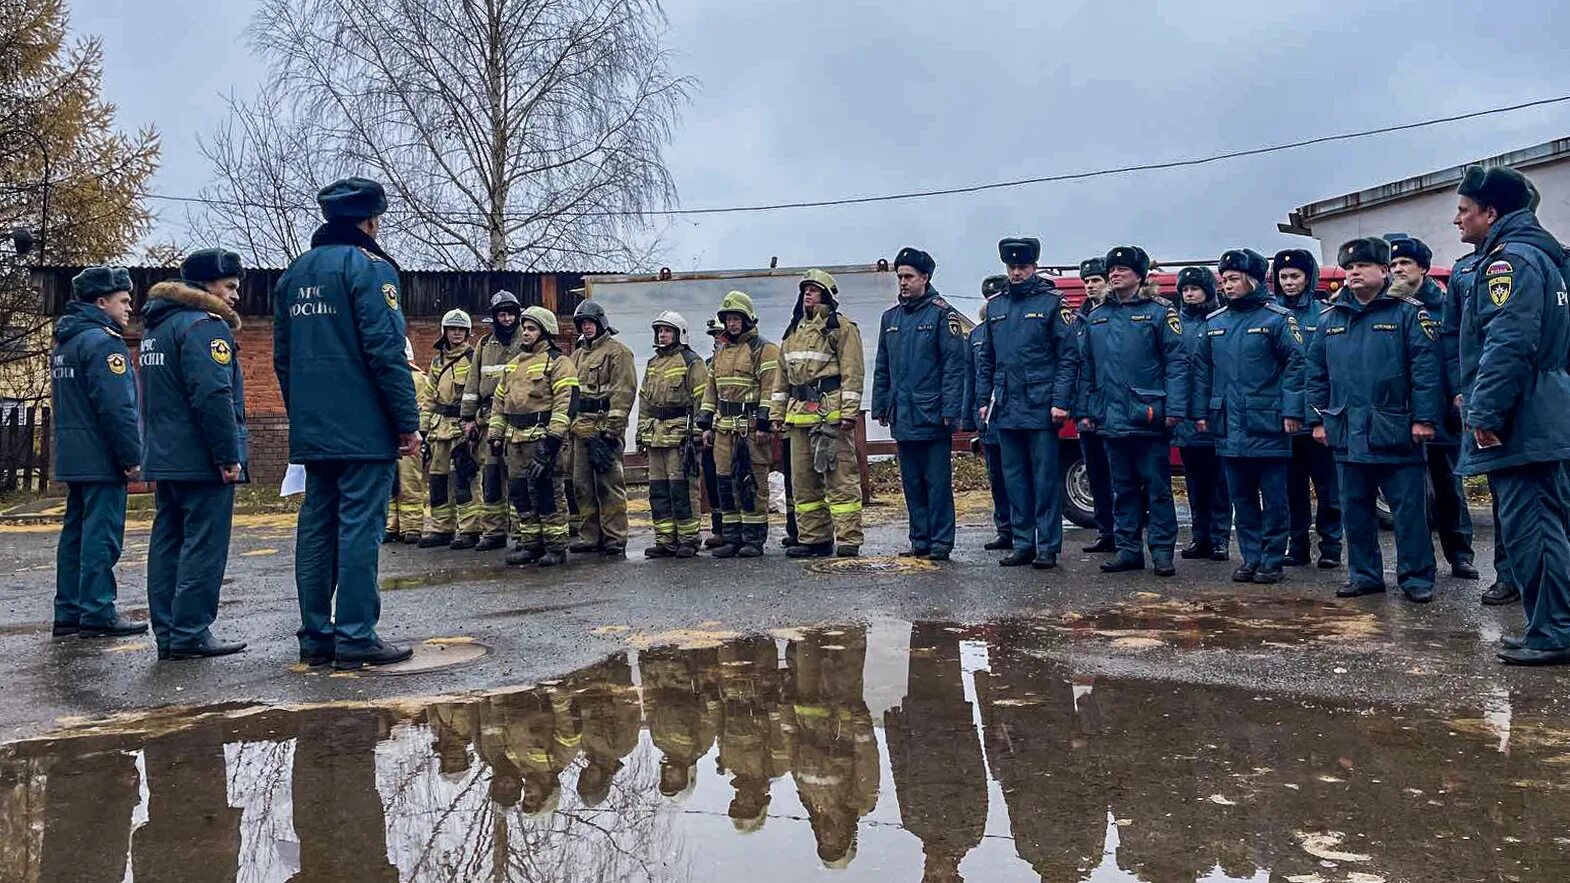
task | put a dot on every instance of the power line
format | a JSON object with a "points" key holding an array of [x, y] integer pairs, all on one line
{"points": [[996, 185]]}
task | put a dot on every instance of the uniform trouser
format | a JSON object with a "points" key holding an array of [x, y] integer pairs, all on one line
{"points": [[1030, 468], [337, 539], [1534, 508], [791, 528], [1098, 471], [927, 475], [601, 496], [447, 514], [673, 499], [997, 482], [711, 490], [406, 508], [1209, 504], [828, 504], [1313, 463], [1403, 485], [743, 526], [1503, 570], [1452, 520], [540, 504], [89, 548], [1259, 494], [186, 557], [1141, 494], [493, 493]]}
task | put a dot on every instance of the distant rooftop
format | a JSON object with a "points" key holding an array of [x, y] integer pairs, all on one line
{"points": [[1302, 219]]}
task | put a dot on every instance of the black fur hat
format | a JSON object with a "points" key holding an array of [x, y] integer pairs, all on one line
{"points": [[1093, 267], [1364, 250], [1246, 261], [916, 259], [352, 200], [1197, 276], [1294, 259], [96, 282], [1131, 256], [1504, 189], [211, 264], [1414, 248], [1017, 251], [992, 286]]}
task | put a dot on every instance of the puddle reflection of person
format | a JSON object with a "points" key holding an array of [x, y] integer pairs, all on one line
{"points": [[681, 702], [88, 799], [610, 715], [338, 815], [935, 754], [192, 834], [752, 734]]}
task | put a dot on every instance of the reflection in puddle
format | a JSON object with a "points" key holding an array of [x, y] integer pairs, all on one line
{"points": [[770, 758], [442, 578]]}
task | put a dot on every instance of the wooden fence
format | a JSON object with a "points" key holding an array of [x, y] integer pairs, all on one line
{"points": [[24, 448]]}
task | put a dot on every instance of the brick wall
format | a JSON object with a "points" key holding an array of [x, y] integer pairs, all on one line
{"points": [[269, 447]]}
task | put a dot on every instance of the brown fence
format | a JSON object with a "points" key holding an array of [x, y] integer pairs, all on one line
{"points": [[24, 449]]}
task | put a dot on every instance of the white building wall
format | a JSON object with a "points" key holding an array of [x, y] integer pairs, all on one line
{"points": [[1429, 217]]}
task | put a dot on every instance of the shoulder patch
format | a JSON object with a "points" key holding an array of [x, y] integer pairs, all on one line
{"points": [[955, 328], [116, 363], [1427, 323], [1499, 288], [1174, 323], [1066, 313], [1216, 313], [390, 294], [1294, 330], [220, 351], [1497, 267]]}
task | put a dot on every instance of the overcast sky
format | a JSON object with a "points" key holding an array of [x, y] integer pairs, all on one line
{"points": [[811, 100]]}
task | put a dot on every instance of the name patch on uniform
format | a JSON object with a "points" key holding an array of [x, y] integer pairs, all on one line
{"points": [[1099, 321], [1139, 318], [390, 293], [116, 363], [1035, 315], [1216, 332], [221, 352], [1335, 329], [1259, 331], [1386, 326]]}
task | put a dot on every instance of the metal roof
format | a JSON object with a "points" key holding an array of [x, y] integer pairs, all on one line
{"points": [[1303, 218]]}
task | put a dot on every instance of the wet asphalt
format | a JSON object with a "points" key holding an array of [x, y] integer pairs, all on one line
{"points": [[674, 720]]}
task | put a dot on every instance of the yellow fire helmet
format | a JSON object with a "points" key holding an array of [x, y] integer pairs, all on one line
{"points": [[541, 317]]}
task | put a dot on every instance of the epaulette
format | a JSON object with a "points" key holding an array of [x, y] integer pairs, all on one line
{"points": [[1277, 309], [113, 333], [1215, 314], [367, 252], [1412, 300], [1324, 311], [941, 303]]}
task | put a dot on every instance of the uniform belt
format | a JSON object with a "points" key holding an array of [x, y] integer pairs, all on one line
{"points": [[671, 413], [811, 391], [594, 406], [448, 410], [531, 419], [737, 409]]}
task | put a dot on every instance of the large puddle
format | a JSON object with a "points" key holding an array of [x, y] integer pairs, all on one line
{"points": [[893, 753]]}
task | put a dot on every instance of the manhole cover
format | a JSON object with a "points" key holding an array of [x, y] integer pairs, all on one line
{"points": [[433, 654], [871, 566]]}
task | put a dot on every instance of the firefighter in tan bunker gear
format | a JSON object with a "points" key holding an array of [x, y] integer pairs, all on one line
{"points": [[608, 382], [735, 420], [406, 513], [816, 398], [668, 403], [456, 500], [491, 355], [534, 404]]}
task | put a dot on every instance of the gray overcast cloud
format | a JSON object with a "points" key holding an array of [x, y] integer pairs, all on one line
{"points": [[814, 100]]}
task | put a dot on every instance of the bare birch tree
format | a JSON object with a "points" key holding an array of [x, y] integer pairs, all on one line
{"points": [[511, 134]]}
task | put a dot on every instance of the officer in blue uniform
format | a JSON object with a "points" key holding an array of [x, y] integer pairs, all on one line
{"points": [[1209, 504], [1025, 378], [1250, 377], [1515, 333], [1092, 447], [1133, 390], [918, 389], [987, 435], [98, 447], [1294, 276], [193, 408], [1410, 259], [1374, 395], [338, 339]]}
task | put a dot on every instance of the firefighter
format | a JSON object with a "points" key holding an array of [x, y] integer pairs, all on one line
{"points": [[919, 388], [1209, 504], [1410, 259], [1134, 389], [193, 417], [456, 500], [1092, 446], [751, 731], [406, 513], [1374, 396], [606, 702], [711, 483], [1515, 331], [816, 399], [668, 403], [491, 356], [608, 383], [338, 338], [735, 418], [986, 434], [535, 400], [681, 707], [1250, 374], [1025, 379], [98, 448], [1294, 276]]}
